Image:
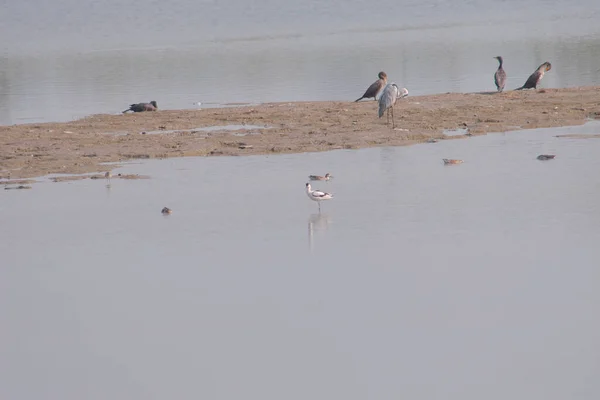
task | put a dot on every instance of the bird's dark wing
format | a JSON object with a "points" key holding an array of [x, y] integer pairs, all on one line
{"points": [[374, 89], [533, 80]]}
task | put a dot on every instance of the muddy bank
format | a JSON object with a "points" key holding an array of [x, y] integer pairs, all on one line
{"points": [[81, 146]]}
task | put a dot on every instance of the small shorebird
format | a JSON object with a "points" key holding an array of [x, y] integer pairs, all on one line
{"points": [[534, 79], [387, 100], [449, 161], [500, 75], [166, 210], [107, 176], [140, 107], [544, 157], [375, 88], [317, 195], [320, 178]]}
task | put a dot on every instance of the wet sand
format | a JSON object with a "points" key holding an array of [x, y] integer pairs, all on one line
{"points": [[82, 146]]}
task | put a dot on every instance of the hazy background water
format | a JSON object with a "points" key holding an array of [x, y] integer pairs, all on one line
{"points": [[66, 59], [419, 280]]}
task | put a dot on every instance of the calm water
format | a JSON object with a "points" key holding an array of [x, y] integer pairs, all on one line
{"points": [[66, 59], [419, 280]]}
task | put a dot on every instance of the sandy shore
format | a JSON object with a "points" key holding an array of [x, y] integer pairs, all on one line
{"points": [[81, 146]]}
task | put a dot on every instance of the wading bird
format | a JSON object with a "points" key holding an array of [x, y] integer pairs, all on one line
{"points": [[140, 107], [387, 100], [500, 75], [534, 79], [317, 195], [375, 88]]}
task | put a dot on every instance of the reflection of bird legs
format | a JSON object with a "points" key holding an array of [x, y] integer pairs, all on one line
{"points": [[310, 235]]}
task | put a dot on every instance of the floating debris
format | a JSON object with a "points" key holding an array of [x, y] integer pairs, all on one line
{"points": [[17, 187], [449, 161], [544, 157]]}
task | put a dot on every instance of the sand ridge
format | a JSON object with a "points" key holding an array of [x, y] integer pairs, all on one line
{"points": [[81, 146]]}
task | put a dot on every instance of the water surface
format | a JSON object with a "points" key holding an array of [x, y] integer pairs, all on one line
{"points": [[418, 280]]}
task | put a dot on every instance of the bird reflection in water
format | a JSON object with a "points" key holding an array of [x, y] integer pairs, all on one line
{"points": [[317, 226]]}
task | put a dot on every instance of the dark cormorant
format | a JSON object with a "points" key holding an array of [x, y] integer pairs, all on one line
{"points": [[375, 87], [500, 75], [139, 107], [535, 78]]}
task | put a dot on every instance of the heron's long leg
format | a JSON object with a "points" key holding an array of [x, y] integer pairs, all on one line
{"points": [[393, 123]]}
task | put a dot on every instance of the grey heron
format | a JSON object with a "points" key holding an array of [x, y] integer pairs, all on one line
{"points": [[500, 75], [375, 87], [535, 78], [387, 100], [140, 107]]}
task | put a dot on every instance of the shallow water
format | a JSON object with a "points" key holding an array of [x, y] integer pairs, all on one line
{"points": [[418, 280], [69, 59]]}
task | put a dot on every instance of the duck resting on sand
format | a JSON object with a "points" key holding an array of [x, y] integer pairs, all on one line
{"points": [[140, 107]]}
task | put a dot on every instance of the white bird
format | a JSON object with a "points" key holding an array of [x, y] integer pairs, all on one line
{"points": [[403, 93], [107, 176], [387, 100], [317, 195]]}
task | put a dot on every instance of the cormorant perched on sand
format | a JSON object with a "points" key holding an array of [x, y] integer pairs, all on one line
{"points": [[535, 78], [139, 107], [500, 75], [375, 87]]}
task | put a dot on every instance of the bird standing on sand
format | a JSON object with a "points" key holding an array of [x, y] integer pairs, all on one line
{"points": [[375, 88], [535, 78], [387, 100], [320, 178], [500, 75], [140, 107], [317, 195]]}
